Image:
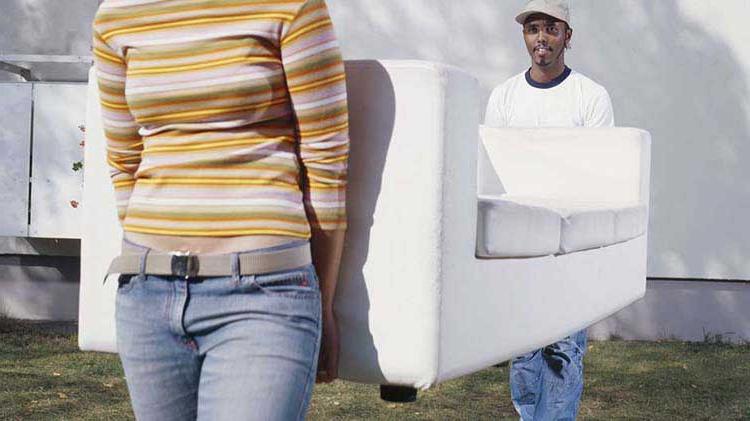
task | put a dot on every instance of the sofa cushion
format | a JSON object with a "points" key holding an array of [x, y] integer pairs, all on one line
{"points": [[514, 226], [509, 229]]}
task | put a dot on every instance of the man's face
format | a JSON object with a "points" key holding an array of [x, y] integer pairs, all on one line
{"points": [[546, 39]]}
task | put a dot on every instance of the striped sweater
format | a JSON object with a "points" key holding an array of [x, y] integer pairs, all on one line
{"points": [[223, 117]]}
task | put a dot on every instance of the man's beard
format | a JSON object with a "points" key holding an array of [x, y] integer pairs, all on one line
{"points": [[548, 61]]}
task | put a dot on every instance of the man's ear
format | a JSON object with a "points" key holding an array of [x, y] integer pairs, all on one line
{"points": [[568, 37]]}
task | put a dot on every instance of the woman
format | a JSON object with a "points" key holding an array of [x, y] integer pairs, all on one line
{"points": [[226, 127]]}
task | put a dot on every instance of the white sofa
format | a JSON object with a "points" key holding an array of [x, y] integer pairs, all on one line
{"points": [[460, 254]]}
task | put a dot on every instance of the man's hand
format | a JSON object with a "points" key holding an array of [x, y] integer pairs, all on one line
{"points": [[328, 360]]}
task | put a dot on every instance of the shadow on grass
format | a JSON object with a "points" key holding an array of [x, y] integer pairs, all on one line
{"points": [[25, 340], [675, 380], [624, 380], [44, 376], [481, 396]]}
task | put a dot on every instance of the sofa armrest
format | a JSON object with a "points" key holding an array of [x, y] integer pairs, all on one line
{"points": [[599, 164]]}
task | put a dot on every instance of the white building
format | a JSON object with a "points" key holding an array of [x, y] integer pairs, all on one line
{"points": [[678, 68]]}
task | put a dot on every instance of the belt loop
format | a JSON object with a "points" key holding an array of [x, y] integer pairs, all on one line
{"points": [[142, 270], [236, 268]]}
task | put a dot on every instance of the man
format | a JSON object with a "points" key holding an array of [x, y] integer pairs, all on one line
{"points": [[546, 384]]}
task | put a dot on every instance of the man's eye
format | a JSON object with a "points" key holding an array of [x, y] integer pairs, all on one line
{"points": [[532, 30]]}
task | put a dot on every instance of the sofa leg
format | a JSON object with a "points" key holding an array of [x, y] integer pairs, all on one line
{"points": [[401, 394]]}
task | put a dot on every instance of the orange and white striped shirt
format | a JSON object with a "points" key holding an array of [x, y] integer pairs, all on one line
{"points": [[223, 117]]}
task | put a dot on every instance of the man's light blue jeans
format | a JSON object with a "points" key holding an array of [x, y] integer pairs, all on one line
{"points": [[227, 348], [547, 384]]}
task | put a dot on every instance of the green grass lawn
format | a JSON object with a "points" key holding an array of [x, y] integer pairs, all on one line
{"points": [[43, 376]]}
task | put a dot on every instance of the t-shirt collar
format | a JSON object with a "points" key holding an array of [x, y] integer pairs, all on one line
{"points": [[552, 83]]}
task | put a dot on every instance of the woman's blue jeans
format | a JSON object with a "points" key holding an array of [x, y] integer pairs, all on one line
{"points": [[547, 384], [227, 348]]}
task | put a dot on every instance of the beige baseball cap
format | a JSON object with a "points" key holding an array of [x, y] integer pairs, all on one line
{"points": [[559, 9]]}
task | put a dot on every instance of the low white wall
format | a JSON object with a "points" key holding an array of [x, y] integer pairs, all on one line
{"points": [[684, 310], [39, 278], [39, 287]]}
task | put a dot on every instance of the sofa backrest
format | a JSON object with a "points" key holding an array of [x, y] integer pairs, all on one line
{"points": [[599, 164]]}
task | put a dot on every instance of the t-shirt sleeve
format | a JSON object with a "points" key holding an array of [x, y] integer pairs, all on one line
{"points": [[599, 111], [124, 143], [317, 86], [495, 114]]}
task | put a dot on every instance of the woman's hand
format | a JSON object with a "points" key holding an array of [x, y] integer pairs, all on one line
{"points": [[327, 247], [328, 360]]}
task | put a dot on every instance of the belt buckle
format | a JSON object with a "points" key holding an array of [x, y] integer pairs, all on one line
{"points": [[185, 265]]}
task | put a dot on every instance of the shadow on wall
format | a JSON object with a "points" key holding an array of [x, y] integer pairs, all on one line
{"points": [[666, 73], [372, 110], [686, 86], [480, 36]]}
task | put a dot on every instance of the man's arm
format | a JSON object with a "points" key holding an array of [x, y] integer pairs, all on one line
{"points": [[599, 113], [495, 114]]}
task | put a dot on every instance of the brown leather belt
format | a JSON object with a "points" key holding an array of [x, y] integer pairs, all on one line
{"points": [[206, 265]]}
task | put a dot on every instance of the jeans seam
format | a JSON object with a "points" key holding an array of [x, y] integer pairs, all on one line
{"points": [[295, 294], [182, 307], [168, 304], [312, 372]]}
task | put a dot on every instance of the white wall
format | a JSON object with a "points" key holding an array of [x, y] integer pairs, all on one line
{"points": [[15, 142], [39, 277], [680, 69], [58, 141]]}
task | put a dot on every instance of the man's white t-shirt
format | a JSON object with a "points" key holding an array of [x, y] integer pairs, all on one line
{"points": [[571, 100]]}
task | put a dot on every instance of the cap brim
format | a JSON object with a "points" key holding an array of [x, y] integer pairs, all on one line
{"points": [[521, 19]]}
